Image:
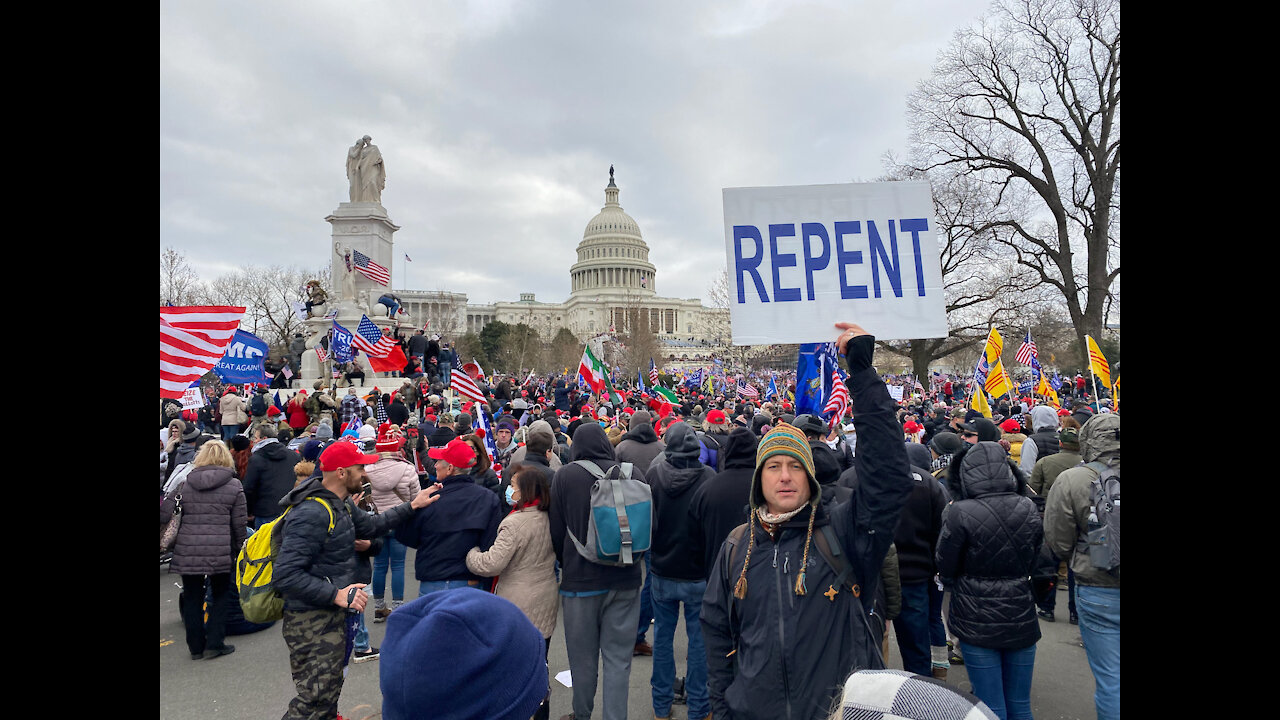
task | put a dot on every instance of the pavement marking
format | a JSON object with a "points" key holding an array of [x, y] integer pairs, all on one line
{"points": [[165, 642]]}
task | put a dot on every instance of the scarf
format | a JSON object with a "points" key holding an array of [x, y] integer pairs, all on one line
{"points": [[770, 519], [940, 462]]}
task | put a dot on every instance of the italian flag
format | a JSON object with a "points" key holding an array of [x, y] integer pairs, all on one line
{"points": [[592, 370]]}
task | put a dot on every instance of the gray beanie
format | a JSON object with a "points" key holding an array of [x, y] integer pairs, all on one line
{"points": [[324, 432]]}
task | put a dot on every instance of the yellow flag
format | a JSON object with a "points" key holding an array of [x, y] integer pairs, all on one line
{"points": [[980, 403], [1047, 392], [1117, 393], [1098, 362], [995, 346], [998, 382]]}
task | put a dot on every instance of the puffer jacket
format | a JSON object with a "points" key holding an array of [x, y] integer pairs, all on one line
{"points": [[1066, 515], [394, 480], [774, 654], [312, 564], [233, 409], [991, 536], [213, 521], [523, 560]]}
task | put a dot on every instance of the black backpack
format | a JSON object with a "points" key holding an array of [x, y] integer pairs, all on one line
{"points": [[258, 406]]}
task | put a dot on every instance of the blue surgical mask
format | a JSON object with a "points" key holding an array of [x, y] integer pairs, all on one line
{"points": [[511, 495]]}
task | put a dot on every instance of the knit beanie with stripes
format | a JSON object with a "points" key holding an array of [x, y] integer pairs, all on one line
{"points": [[783, 439]]}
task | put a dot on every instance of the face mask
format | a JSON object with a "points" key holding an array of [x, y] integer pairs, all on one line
{"points": [[832, 443], [511, 495]]}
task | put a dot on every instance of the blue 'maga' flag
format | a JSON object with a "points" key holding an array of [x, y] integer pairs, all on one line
{"points": [[813, 377], [341, 343], [640, 385], [242, 361], [1024, 387], [772, 392], [1056, 382]]}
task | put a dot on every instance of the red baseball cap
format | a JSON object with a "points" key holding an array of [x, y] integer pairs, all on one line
{"points": [[457, 453], [344, 454]]}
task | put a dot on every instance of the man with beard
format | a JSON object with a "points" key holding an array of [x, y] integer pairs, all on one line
{"points": [[313, 569]]}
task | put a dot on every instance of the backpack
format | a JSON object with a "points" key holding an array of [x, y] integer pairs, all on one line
{"points": [[258, 406], [259, 601], [620, 523], [1102, 543]]}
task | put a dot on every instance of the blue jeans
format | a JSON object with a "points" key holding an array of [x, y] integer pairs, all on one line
{"points": [[392, 306], [229, 431], [362, 635], [429, 586], [1099, 610], [646, 603], [392, 555], [666, 596], [1001, 678], [912, 626]]}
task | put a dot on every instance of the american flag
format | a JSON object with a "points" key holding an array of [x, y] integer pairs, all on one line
{"points": [[653, 373], [192, 340], [320, 353], [371, 340], [839, 400], [407, 258], [369, 268], [1027, 350], [460, 381], [748, 390], [489, 445]]}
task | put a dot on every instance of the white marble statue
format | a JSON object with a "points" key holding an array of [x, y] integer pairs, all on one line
{"points": [[349, 277], [365, 171]]}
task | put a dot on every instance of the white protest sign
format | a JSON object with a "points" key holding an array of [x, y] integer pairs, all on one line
{"points": [[895, 392], [802, 258], [192, 398]]}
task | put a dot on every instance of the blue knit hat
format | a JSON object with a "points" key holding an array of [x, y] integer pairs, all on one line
{"points": [[461, 654]]}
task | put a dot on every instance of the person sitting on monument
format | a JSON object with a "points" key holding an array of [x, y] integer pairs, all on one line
{"points": [[315, 295], [393, 304], [353, 369]]}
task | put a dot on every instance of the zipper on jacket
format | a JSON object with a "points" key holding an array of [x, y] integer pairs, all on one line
{"points": [[782, 635]]}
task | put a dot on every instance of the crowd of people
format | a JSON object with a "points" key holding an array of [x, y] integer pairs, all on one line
{"points": [[788, 543]]}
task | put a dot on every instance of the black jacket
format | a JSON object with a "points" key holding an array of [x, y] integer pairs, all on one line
{"points": [[466, 516], [919, 525], [774, 654], [570, 505], [722, 503], [991, 536], [312, 564], [673, 490], [267, 478]]}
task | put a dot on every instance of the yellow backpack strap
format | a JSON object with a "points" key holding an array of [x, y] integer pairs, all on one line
{"points": [[326, 507]]}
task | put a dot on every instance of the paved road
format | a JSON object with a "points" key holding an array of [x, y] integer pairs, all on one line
{"points": [[254, 681]]}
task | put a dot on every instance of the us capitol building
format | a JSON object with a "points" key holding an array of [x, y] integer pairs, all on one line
{"points": [[614, 286]]}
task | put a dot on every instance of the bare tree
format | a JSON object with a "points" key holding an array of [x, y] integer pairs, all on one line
{"points": [[1027, 102], [179, 284]]}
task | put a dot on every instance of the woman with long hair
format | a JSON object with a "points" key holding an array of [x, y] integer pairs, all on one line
{"points": [[482, 472], [523, 559], [214, 516]]}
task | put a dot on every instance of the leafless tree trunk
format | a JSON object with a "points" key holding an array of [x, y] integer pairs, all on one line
{"points": [[1027, 102]]}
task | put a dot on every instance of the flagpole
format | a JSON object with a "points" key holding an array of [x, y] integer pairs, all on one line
{"points": [[1092, 375]]}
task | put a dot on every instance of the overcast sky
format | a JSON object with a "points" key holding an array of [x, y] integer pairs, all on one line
{"points": [[498, 121]]}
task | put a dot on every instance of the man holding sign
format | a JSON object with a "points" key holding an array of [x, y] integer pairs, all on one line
{"points": [[806, 616]]}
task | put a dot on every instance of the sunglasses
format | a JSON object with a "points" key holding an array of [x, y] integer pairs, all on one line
{"points": [[969, 434]]}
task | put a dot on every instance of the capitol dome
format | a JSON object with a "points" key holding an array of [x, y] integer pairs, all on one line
{"points": [[612, 255]]}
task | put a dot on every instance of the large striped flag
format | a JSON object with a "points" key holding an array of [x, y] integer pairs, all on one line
{"points": [[192, 340], [591, 370], [839, 401], [997, 382], [1027, 350], [748, 390], [369, 268], [482, 422], [1098, 361], [653, 372], [371, 340], [460, 381], [979, 403]]}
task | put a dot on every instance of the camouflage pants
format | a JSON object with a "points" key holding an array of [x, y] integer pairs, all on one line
{"points": [[317, 643]]}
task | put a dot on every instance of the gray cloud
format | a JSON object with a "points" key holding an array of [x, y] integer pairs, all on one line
{"points": [[498, 121]]}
